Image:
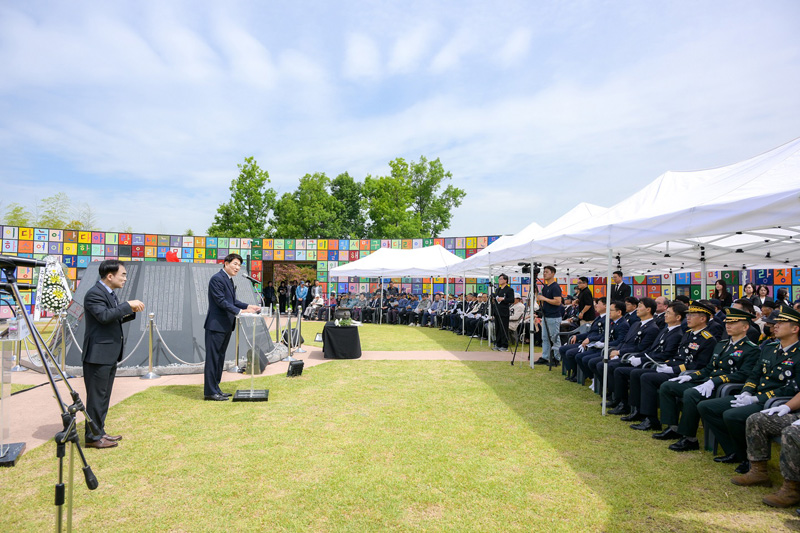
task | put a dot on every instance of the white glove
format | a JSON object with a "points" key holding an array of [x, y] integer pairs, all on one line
{"points": [[665, 369], [681, 379], [743, 400], [635, 361], [780, 410], [796, 422], [705, 389]]}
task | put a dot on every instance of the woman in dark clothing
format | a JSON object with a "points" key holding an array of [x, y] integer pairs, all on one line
{"points": [[721, 293], [762, 296], [749, 292], [269, 295], [283, 295]]}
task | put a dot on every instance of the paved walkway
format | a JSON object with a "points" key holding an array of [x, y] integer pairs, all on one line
{"points": [[34, 416]]}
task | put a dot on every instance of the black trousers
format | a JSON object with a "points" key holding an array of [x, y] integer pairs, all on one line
{"points": [[501, 334], [99, 380], [216, 346]]}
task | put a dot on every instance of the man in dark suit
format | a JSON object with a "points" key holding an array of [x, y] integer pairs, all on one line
{"points": [[620, 290], [102, 346], [220, 321]]}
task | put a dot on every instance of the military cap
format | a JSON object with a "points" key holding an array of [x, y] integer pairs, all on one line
{"points": [[787, 314], [696, 306], [736, 315]]}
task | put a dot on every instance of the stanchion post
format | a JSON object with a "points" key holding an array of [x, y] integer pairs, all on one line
{"points": [[300, 332], [150, 374]]}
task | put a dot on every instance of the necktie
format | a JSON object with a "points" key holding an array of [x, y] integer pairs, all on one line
{"points": [[114, 296]]}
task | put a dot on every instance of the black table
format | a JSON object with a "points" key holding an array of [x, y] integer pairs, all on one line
{"points": [[340, 342]]}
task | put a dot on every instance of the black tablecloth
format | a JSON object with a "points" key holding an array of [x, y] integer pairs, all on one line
{"points": [[340, 342]]}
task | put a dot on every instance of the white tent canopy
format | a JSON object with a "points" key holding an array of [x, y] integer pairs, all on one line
{"points": [[737, 213], [498, 256], [393, 263]]}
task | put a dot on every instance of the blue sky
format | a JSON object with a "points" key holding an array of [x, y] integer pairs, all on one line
{"points": [[144, 109]]}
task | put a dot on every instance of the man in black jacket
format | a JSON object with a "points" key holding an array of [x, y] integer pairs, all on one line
{"points": [[102, 346], [620, 290]]}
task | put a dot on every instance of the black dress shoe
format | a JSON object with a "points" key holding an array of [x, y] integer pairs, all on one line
{"points": [[634, 416], [620, 409], [667, 434], [730, 458], [226, 394], [573, 379], [744, 467], [684, 445], [647, 425], [216, 398]]}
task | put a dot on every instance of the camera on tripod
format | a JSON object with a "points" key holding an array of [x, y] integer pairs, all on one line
{"points": [[526, 267]]}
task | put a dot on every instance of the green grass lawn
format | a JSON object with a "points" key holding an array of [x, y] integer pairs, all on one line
{"points": [[388, 446], [386, 337]]}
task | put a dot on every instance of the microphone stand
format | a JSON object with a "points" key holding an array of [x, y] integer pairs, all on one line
{"points": [[69, 434]]}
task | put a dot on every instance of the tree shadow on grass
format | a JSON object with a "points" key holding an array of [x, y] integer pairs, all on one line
{"points": [[644, 484]]}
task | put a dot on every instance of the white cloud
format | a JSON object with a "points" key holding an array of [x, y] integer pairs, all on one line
{"points": [[515, 47], [409, 49], [362, 59], [451, 54]]}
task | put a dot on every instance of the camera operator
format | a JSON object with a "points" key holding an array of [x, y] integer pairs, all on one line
{"points": [[504, 298]]}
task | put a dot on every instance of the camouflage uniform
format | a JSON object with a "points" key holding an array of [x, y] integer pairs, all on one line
{"points": [[730, 363], [761, 429], [774, 375]]}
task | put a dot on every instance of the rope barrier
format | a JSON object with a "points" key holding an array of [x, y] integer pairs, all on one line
{"points": [[170, 352]]}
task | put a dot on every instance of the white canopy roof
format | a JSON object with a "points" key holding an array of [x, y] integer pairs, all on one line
{"points": [[388, 262], [737, 213]]}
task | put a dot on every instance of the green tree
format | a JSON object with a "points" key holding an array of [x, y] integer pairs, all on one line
{"points": [[308, 212], [18, 215], [83, 217], [390, 208], [350, 220], [53, 211], [432, 205], [246, 214]]}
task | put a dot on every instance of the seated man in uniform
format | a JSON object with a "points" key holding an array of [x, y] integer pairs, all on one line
{"points": [[774, 375], [782, 421]]}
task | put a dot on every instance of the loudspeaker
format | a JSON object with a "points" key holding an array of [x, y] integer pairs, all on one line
{"points": [[261, 361], [295, 369], [297, 339]]}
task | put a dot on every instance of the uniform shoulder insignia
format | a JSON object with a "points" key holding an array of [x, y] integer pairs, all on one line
{"points": [[706, 334], [751, 343]]}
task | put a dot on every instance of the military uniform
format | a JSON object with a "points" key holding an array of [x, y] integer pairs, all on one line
{"points": [[730, 363], [664, 347], [694, 351], [775, 374], [760, 430]]}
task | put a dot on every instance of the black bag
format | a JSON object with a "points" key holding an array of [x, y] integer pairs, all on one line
{"points": [[297, 339]]}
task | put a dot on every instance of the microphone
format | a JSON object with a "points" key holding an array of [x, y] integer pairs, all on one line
{"points": [[21, 261], [252, 280]]}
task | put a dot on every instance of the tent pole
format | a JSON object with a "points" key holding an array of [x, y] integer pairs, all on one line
{"points": [[608, 327], [532, 316], [703, 274]]}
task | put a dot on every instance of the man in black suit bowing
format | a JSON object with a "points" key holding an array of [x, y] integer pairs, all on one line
{"points": [[220, 321], [102, 346]]}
